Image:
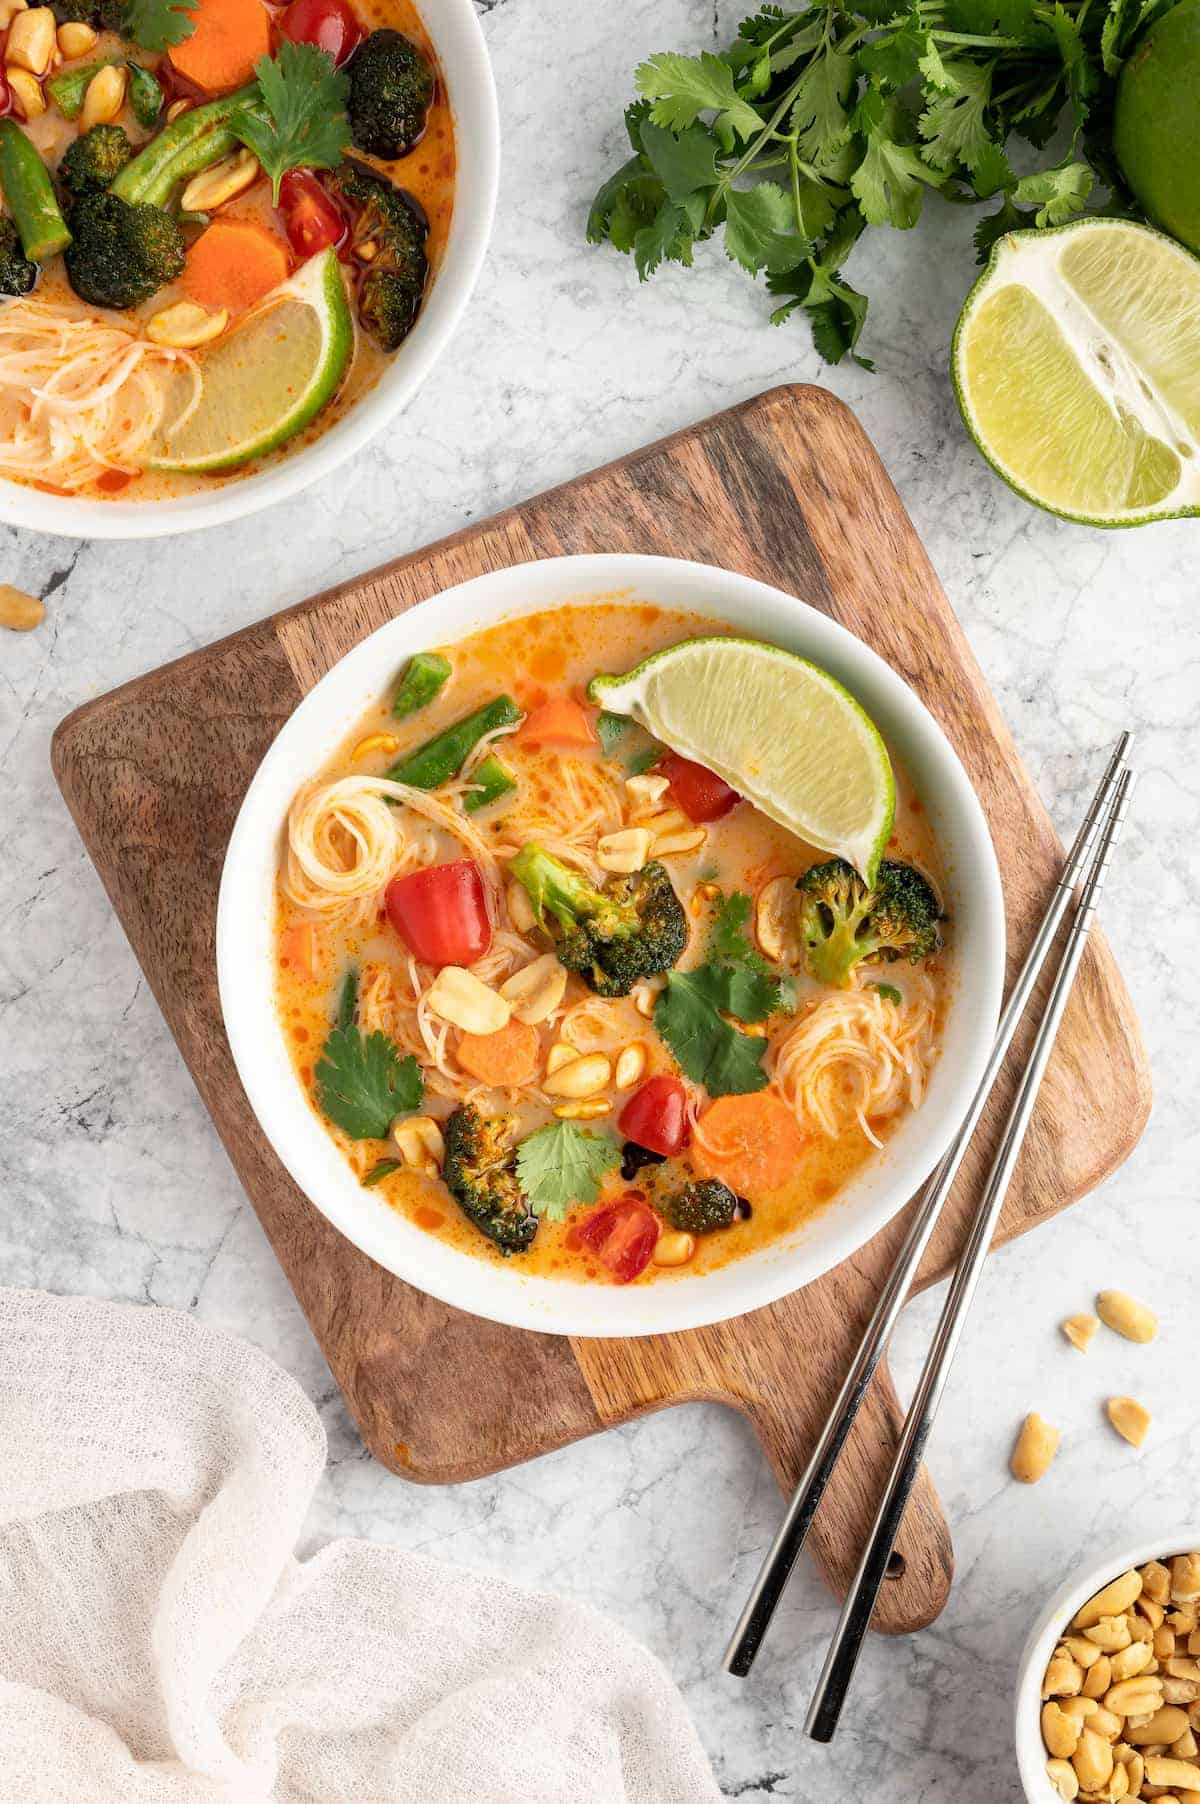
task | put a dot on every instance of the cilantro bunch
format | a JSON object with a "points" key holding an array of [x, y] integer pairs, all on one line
{"points": [[813, 125]]}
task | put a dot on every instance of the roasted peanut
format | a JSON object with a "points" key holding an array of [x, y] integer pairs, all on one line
{"points": [[1036, 1446], [590, 1108], [535, 991], [177, 109], [625, 851], [1184, 1746], [223, 182], [418, 1140], [1060, 1732], [1092, 1760], [645, 996], [1180, 1691], [1165, 1770], [1105, 1722], [1156, 1582], [9, 10], [678, 841], [1063, 1678], [1126, 1316], [105, 95], [560, 1054], [647, 790], [631, 1062], [32, 40], [585, 1075], [456, 995], [1132, 1660], [1110, 1634], [1133, 1697], [1098, 1679], [19, 612], [1166, 1725], [27, 91], [1164, 1642], [1061, 1775], [76, 39], [1130, 1419], [1084, 1653], [1079, 1330], [777, 921], [183, 327], [1110, 1601], [520, 908], [1079, 1707], [1185, 1578]]}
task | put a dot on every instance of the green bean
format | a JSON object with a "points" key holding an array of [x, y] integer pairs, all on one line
{"points": [[145, 95], [193, 142], [424, 677], [30, 195], [443, 756], [494, 780]]}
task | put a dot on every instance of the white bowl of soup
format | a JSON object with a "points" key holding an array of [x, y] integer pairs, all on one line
{"points": [[380, 963], [129, 349]]}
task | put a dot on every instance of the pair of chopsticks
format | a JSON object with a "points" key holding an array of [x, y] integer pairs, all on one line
{"points": [[1086, 866]]}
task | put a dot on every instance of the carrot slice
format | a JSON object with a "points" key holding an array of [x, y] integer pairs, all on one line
{"points": [[234, 263], [560, 721], [509, 1056], [750, 1142], [221, 52], [297, 948]]}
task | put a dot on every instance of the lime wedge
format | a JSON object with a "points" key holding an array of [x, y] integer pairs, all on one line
{"points": [[265, 380], [1077, 365], [781, 731]]}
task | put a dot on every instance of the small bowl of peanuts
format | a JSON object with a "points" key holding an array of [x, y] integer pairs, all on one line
{"points": [[1108, 1694]]}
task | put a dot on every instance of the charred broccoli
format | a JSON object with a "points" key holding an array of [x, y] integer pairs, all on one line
{"points": [[17, 273], [121, 254], [701, 1207], [480, 1173], [104, 15], [612, 937], [844, 921], [385, 216], [93, 162], [391, 86]]}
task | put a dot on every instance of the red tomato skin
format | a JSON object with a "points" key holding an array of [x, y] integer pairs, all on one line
{"points": [[701, 794], [312, 219], [442, 913], [656, 1116], [623, 1236], [329, 24]]}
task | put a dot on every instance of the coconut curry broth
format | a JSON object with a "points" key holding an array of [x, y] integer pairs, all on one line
{"points": [[427, 173], [532, 659]]}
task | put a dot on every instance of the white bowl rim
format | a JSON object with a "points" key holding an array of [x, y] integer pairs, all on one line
{"points": [[292, 1126], [1083, 1583], [458, 37]]}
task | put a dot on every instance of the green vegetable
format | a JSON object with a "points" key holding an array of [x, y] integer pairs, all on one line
{"points": [[383, 1169], [391, 87], [443, 756], [303, 119], [562, 1165], [843, 921], [29, 192], [194, 141], [612, 937], [145, 95], [494, 780], [814, 124], [425, 675], [120, 254], [390, 294], [93, 162], [157, 24], [701, 1207], [621, 737], [17, 274], [362, 1081], [889, 992], [641, 762], [480, 1172], [67, 90], [689, 1016]]}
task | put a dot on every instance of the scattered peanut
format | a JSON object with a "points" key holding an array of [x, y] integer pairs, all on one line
{"points": [[590, 1109], [1131, 1660], [647, 790], [1062, 1777], [1097, 1681], [1185, 1579], [777, 921], [560, 1054], [536, 990], [1063, 1678], [183, 327], [27, 91], [223, 182], [105, 95], [1125, 1316], [1079, 1330], [1060, 1732], [1092, 1760], [1169, 1771], [418, 1140], [675, 1248], [459, 997], [1112, 1601], [177, 109], [19, 612], [645, 996], [1156, 1582], [32, 39], [520, 908], [625, 851], [1134, 1697], [1130, 1419], [1084, 1653], [367, 251], [1110, 1634], [679, 840], [1035, 1448], [630, 1065], [584, 1075], [9, 10], [76, 39]]}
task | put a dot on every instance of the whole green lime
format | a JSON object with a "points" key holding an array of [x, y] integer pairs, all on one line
{"points": [[1156, 126]]}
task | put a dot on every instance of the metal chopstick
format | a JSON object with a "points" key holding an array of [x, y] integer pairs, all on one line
{"points": [[785, 1549], [842, 1658]]}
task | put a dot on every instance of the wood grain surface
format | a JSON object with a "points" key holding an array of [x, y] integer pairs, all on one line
{"points": [[786, 488]]}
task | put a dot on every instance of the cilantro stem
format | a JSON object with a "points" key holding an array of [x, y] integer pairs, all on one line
{"points": [[983, 43]]}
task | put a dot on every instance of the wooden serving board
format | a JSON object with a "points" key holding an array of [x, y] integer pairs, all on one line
{"points": [[786, 488]]}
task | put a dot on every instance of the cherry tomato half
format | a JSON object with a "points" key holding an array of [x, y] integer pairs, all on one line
{"points": [[442, 913], [622, 1236], [312, 219], [329, 24], [701, 794], [656, 1116]]}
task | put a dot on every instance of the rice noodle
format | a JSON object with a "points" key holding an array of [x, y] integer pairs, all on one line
{"points": [[81, 393], [345, 843], [577, 802], [858, 1057]]}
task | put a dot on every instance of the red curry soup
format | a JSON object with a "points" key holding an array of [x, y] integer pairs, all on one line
{"points": [[563, 997], [219, 223]]}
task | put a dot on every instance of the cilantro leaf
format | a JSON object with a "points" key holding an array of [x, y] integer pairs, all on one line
{"points": [[362, 1082], [158, 24], [727, 938], [305, 97], [889, 992], [819, 113], [682, 161], [683, 87], [991, 229], [707, 1048], [608, 197], [760, 229], [729, 947], [667, 239], [954, 124], [888, 182], [992, 173], [1057, 193], [893, 59], [562, 1165], [383, 1168]]}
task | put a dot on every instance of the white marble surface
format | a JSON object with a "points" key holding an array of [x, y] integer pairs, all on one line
{"points": [[112, 1181]]}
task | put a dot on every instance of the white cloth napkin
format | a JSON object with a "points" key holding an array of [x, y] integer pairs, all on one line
{"points": [[160, 1643]]}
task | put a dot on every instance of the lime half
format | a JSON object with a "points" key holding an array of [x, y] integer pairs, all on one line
{"points": [[1077, 365], [265, 380], [780, 730]]}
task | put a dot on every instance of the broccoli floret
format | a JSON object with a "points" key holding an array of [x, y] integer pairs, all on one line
{"points": [[104, 15], [93, 162], [844, 921], [121, 254], [385, 216], [480, 1172], [17, 273], [612, 937], [701, 1207], [391, 87]]}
